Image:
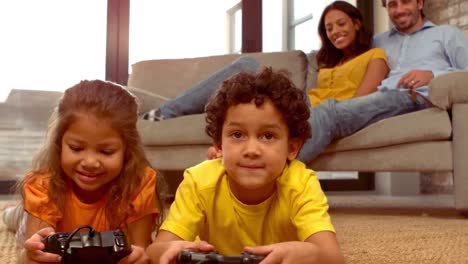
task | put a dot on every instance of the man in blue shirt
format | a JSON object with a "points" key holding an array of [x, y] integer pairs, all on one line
{"points": [[417, 51]]}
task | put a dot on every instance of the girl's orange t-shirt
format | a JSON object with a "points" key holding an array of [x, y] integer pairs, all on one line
{"points": [[76, 213]]}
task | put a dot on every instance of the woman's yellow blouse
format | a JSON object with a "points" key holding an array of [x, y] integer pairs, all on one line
{"points": [[342, 81]]}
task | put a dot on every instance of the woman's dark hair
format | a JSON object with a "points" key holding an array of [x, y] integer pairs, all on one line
{"points": [[247, 87], [329, 56]]}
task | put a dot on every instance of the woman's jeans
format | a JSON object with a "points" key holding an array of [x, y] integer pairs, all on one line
{"points": [[331, 119], [193, 100]]}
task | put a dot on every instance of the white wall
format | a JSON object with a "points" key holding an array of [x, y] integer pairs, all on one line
{"points": [[381, 21]]}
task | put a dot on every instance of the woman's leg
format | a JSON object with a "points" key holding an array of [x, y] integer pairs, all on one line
{"points": [[331, 120], [193, 100]]}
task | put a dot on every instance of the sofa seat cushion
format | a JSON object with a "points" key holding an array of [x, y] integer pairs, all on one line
{"points": [[428, 125], [418, 156], [184, 130], [168, 158]]}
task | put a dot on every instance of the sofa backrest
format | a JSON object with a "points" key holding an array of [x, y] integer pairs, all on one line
{"points": [[312, 70], [169, 77]]}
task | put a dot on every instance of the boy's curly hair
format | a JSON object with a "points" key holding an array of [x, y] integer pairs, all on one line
{"points": [[267, 84]]}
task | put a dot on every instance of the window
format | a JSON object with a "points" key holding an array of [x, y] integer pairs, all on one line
{"points": [[272, 20], [162, 29], [303, 19], [235, 28], [292, 24], [46, 49]]}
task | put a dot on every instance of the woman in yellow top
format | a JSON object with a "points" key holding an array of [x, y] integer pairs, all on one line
{"points": [[348, 67]]}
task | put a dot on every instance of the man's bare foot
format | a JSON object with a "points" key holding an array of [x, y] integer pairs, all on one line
{"points": [[213, 153]]}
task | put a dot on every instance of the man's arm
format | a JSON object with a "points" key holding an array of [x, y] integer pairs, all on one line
{"points": [[456, 48], [455, 45]]}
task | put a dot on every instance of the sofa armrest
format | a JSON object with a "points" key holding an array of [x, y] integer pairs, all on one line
{"points": [[146, 99], [449, 88]]}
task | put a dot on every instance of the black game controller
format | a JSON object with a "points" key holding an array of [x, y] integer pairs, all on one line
{"points": [[88, 247], [192, 257]]}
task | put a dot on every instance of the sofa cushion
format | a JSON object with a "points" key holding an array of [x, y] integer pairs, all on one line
{"points": [[184, 130], [312, 70], [168, 78], [417, 156], [175, 158], [146, 100], [427, 125]]}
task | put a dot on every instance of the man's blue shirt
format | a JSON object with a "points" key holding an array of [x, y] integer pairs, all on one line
{"points": [[439, 49]]}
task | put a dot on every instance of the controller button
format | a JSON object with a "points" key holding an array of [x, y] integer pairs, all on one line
{"points": [[120, 241]]}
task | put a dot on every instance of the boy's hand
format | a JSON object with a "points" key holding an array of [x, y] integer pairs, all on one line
{"points": [[33, 246], [175, 247], [138, 256], [286, 252]]}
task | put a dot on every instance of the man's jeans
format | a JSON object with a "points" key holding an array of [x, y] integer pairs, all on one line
{"points": [[193, 100], [332, 120]]}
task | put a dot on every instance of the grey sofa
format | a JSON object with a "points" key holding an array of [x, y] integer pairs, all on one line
{"points": [[432, 140]]}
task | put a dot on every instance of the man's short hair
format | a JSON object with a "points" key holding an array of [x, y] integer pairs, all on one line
{"points": [[384, 4]]}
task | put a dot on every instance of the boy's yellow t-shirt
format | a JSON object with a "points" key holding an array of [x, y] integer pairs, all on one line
{"points": [[204, 207], [76, 213], [341, 82]]}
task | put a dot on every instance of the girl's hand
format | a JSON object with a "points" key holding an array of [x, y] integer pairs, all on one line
{"points": [[33, 246], [138, 256], [287, 252], [175, 247]]}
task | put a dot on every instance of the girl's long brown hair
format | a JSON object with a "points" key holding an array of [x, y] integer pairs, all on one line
{"points": [[104, 100]]}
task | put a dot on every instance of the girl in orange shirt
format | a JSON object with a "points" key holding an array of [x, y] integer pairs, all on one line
{"points": [[91, 171]]}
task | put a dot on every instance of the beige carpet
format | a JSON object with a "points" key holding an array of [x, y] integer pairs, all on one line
{"points": [[7, 243], [373, 236], [401, 236]]}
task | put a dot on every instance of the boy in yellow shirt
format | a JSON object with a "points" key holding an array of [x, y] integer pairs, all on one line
{"points": [[257, 198]]}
